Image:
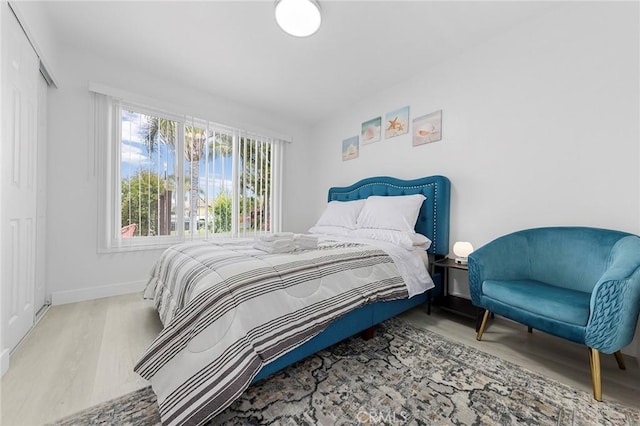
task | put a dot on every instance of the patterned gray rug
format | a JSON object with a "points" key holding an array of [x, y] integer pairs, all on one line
{"points": [[402, 376]]}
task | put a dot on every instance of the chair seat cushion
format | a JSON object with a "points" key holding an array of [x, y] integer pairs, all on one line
{"points": [[565, 305]]}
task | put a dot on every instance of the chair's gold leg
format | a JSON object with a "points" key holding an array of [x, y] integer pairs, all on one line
{"points": [[594, 362], [483, 325], [620, 360]]}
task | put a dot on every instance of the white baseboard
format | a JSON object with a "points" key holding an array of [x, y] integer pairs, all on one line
{"points": [[91, 293], [4, 362]]}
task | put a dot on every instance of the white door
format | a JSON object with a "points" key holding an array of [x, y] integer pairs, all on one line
{"points": [[19, 181]]}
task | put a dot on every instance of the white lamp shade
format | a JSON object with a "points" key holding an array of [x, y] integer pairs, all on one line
{"points": [[462, 249], [300, 18]]}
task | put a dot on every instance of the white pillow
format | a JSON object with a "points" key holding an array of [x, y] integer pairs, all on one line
{"points": [[329, 230], [398, 213], [408, 240], [341, 213]]}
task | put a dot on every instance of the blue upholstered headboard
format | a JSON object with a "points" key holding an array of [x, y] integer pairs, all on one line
{"points": [[433, 219]]}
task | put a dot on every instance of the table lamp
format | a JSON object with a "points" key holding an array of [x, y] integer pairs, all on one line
{"points": [[462, 250]]}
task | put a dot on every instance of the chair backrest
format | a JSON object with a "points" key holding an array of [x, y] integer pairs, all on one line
{"points": [[570, 257]]}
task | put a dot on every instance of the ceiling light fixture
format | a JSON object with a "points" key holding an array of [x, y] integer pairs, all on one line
{"points": [[300, 18]]}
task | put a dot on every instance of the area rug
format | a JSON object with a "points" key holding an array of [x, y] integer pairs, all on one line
{"points": [[402, 376]]}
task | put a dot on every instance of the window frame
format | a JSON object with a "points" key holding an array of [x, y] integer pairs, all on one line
{"points": [[107, 162]]}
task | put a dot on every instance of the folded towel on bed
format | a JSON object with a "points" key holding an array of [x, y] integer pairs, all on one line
{"points": [[277, 246], [305, 242], [277, 236], [286, 242]]}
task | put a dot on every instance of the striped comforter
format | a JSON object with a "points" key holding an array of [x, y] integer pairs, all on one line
{"points": [[229, 309]]}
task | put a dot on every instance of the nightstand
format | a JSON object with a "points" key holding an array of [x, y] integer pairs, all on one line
{"points": [[451, 303]]}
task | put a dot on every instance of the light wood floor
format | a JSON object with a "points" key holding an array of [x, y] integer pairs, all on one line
{"points": [[82, 354], [77, 356]]}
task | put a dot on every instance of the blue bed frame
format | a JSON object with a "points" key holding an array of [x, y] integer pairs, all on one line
{"points": [[433, 221]]}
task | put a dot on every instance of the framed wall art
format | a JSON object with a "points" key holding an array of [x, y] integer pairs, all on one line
{"points": [[397, 122], [428, 128], [371, 131], [350, 148]]}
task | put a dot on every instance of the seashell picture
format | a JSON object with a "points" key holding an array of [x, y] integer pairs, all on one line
{"points": [[350, 148], [427, 128], [371, 131]]}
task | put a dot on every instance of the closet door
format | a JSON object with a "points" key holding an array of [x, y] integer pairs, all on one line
{"points": [[19, 181], [41, 209]]}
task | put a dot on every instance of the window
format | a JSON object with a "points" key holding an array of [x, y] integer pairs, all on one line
{"points": [[169, 178], [147, 175]]}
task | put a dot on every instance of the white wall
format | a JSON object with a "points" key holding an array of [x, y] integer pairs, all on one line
{"points": [[75, 270], [540, 127]]}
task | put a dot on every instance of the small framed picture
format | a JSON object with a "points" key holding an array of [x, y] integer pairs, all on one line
{"points": [[428, 128], [371, 131], [397, 122], [350, 148]]}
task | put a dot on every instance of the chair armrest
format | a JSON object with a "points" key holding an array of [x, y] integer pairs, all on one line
{"points": [[615, 300], [505, 258]]}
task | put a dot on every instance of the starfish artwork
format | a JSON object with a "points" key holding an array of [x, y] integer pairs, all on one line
{"points": [[398, 122]]}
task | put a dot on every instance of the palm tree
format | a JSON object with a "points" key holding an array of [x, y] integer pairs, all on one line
{"points": [[193, 150], [221, 145], [160, 130]]}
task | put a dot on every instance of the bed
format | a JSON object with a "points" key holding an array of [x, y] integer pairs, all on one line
{"points": [[215, 342]]}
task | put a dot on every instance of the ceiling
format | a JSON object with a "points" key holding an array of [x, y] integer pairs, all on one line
{"points": [[235, 49]]}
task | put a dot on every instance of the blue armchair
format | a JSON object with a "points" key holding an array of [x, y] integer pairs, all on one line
{"points": [[580, 284]]}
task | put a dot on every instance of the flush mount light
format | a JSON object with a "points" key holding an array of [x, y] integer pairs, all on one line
{"points": [[300, 18]]}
